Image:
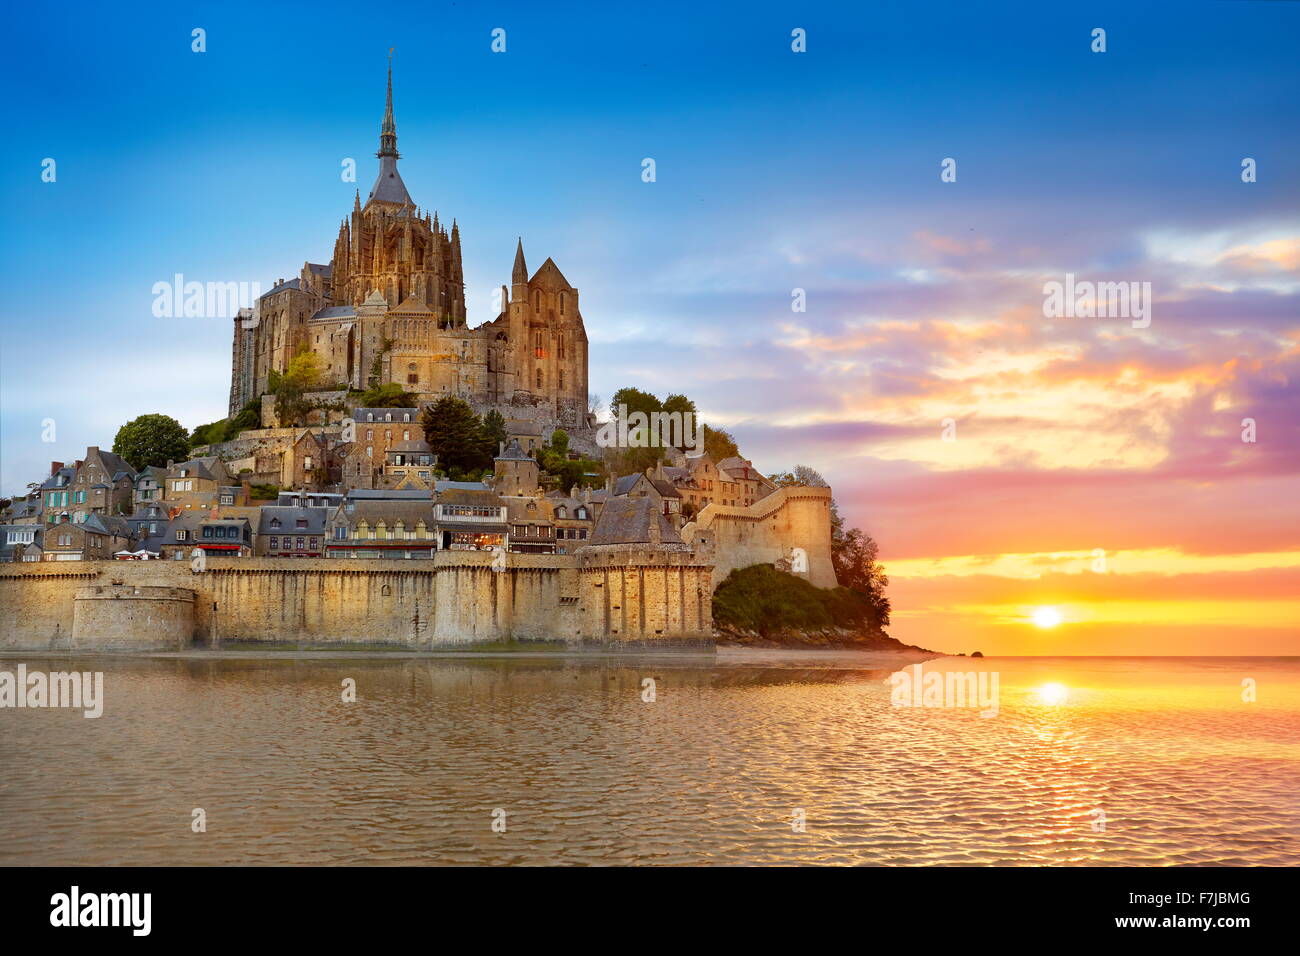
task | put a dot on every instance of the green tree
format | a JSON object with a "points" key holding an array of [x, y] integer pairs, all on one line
{"points": [[388, 395], [635, 400], [718, 444], [455, 434], [152, 440], [560, 442], [494, 431], [679, 403]]}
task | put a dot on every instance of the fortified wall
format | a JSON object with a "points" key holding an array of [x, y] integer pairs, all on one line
{"points": [[769, 531], [637, 598]]}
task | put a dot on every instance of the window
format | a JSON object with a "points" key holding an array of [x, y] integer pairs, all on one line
{"points": [[340, 533], [301, 523], [539, 378], [275, 543], [581, 514], [315, 543], [180, 535], [412, 379], [298, 542]]}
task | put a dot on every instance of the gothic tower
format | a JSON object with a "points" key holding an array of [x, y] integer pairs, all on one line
{"points": [[389, 246]]}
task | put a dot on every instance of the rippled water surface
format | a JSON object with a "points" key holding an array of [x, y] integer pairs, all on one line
{"points": [[1148, 761]]}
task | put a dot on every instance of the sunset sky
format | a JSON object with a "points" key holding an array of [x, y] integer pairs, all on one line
{"points": [[776, 171]]}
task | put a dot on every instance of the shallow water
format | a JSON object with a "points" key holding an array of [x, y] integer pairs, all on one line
{"points": [[712, 771]]}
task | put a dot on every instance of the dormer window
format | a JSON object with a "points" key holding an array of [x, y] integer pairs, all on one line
{"points": [[581, 514]]}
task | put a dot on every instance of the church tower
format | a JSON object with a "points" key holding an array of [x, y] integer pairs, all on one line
{"points": [[389, 246]]}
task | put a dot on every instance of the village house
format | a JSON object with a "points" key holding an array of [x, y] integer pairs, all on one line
{"points": [[97, 538], [408, 464], [291, 532], [471, 520], [382, 528], [15, 539], [532, 525], [196, 483], [741, 483], [215, 536], [574, 515], [102, 483], [651, 484], [374, 430], [150, 485], [56, 494]]}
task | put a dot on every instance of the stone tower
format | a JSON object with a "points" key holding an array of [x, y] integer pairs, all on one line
{"points": [[388, 245], [515, 473]]}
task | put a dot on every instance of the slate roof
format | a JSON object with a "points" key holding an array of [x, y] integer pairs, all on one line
{"points": [[476, 497], [319, 269], [443, 484], [289, 516], [388, 185], [633, 521], [390, 512], [53, 482], [335, 312], [198, 468], [513, 452], [291, 284], [412, 306]]}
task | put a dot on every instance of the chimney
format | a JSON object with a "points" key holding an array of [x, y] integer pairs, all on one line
{"points": [[92, 450], [170, 463], [55, 466], [247, 489], [501, 449]]}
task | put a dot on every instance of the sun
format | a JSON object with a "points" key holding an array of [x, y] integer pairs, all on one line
{"points": [[1046, 617], [1053, 694]]}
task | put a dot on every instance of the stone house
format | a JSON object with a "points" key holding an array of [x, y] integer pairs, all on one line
{"points": [[471, 520], [150, 485], [291, 532], [532, 525], [56, 494], [382, 528], [97, 538], [575, 517], [741, 484], [196, 483], [102, 483]]}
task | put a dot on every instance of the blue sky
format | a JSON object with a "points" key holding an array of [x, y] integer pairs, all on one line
{"points": [[775, 170]]}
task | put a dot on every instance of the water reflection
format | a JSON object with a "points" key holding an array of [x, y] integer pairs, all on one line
{"points": [[1154, 761]]}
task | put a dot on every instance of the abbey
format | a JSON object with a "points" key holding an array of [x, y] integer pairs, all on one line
{"points": [[389, 307]]}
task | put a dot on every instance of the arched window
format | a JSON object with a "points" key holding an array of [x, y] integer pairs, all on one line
{"points": [[562, 298], [581, 514], [561, 512]]}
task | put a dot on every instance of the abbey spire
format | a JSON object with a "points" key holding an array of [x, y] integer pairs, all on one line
{"points": [[388, 131], [388, 187]]}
